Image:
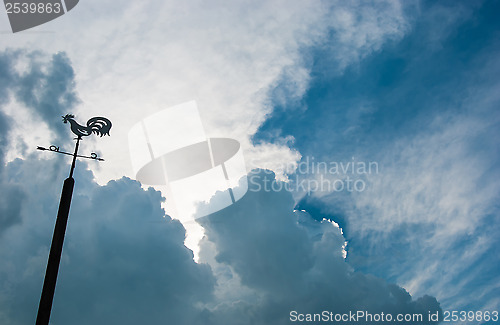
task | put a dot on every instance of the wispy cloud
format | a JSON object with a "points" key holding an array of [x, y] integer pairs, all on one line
{"points": [[144, 57], [425, 110]]}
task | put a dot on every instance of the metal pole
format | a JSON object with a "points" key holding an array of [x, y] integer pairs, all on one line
{"points": [[49, 283], [74, 157]]}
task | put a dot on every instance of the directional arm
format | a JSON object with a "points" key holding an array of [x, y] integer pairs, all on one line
{"points": [[55, 149]]}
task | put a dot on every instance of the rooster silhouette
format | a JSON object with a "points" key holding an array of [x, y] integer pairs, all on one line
{"points": [[97, 125]]}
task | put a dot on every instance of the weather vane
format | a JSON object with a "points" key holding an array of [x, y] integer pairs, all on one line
{"points": [[96, 125]]}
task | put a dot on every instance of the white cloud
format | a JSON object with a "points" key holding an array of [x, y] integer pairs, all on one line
{"points": [[439, 189], [124, 262], [136, 58]]}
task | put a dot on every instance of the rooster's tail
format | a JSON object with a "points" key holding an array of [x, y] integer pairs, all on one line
{"points": [[99, 125]]}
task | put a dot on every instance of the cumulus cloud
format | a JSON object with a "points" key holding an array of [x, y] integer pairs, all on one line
{"points": [[33, 88], [123, 261], [425, 109], [37, 89], [284, 260], [12, 196], [47, 89]]}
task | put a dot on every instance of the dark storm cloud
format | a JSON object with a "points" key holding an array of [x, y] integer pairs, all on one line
{"points": [[47, 89], [11, 196], [7, 74], [45, 85], [122, 263], [293, 262], [8, 80], [125, 263], [11, 200]]}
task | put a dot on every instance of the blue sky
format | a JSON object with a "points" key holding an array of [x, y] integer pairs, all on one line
{"points": [[411, 86], [443, 71]]}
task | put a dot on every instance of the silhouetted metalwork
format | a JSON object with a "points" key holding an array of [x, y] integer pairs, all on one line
{"points": [[55, 149], [99, 126]]}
